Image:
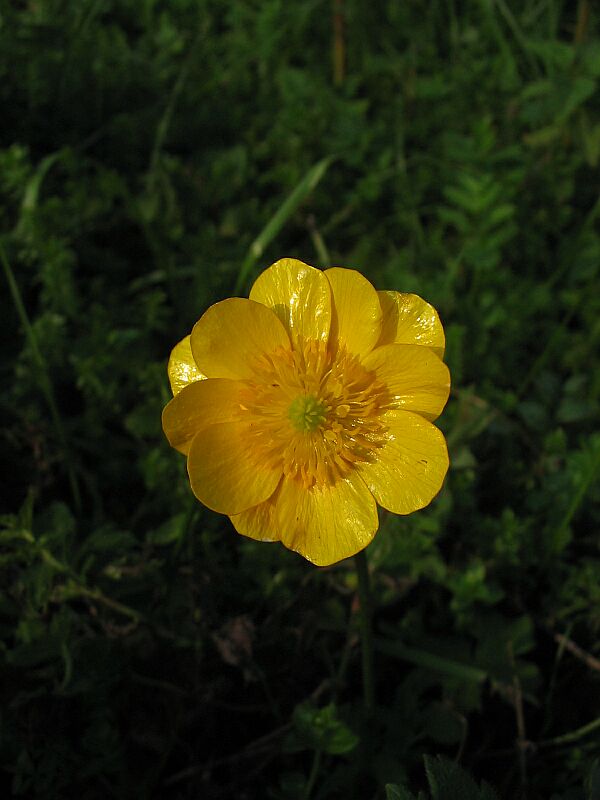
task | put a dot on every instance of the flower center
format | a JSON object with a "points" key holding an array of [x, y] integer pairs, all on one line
{"points": [[314, 411], [307, 412]]}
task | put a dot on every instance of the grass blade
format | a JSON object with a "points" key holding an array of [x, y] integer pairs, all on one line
{"points": [[281, 216], [422, 658], [44, 378]]}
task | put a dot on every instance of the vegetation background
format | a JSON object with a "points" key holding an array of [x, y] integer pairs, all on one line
{"points": [[154, 156]]}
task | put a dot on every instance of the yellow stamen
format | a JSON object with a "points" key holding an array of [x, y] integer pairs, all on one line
{"points": [[316, 411]]}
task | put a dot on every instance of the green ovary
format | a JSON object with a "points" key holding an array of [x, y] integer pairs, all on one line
{"points": [[306, 413]]}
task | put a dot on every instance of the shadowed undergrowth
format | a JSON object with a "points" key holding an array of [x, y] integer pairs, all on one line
{"points": [[153, 158]]}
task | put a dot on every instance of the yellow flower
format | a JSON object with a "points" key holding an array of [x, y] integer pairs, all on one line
{"points": [[303, 407]]}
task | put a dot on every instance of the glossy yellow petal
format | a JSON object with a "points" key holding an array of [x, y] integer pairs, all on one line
{"points": [[182, 368], [225, 472], [230, 336], [415, 377], [408, 319], [299, 295], [197, 405], [326, 524], [259, 522], [357, 314], [408, 471]]}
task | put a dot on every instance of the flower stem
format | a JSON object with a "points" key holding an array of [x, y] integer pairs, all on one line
{"points": [[366, 633]]}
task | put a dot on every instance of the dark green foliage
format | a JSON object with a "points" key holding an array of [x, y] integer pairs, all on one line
{"points": [[447, 781], [153, 158]]}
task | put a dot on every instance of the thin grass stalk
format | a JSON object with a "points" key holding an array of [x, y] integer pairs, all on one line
{"points": [[44, 379]]}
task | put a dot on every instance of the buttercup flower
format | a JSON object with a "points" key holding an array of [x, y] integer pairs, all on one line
{"points": [[303, 407]]}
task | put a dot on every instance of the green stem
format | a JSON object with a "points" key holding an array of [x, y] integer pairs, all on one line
{"points": [[576, 499], [573, 736], [366, 632], [312, 778], [43, 376], [100, 597]]}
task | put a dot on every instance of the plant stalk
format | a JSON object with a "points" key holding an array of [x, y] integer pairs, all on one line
{"points": [[43, 377], [366, 631]]}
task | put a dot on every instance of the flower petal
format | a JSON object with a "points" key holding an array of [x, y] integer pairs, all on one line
{"points": [[231, 335], [225, 472], [410, 468], [326, 524], [197, 405], [299, 295], [182, 368], [259, 522], [408, 319], [357, 311], [415, 377]]}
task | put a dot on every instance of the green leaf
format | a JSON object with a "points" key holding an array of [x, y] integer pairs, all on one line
{"points": [[449, 781], [590, 56], [320, 729], [32, 189], [169, 531], [580, 90], [443, 725], [278, 220], [395, 792], [431, 661]]}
